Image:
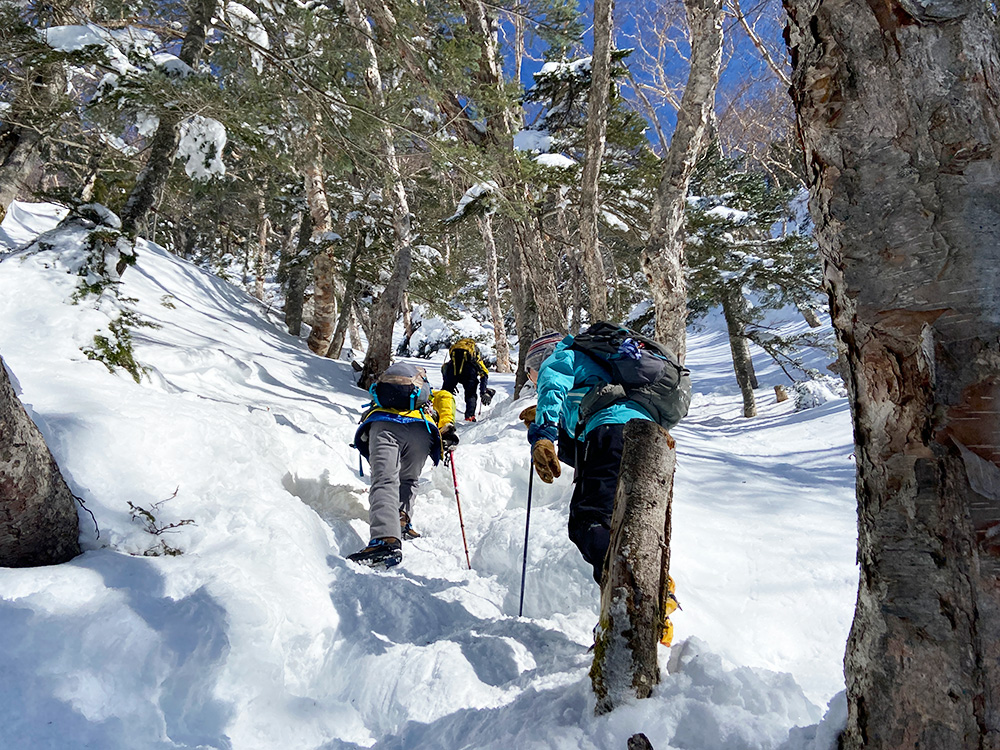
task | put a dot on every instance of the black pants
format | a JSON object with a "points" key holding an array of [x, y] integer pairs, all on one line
{"points": [[593, 499], [471, 387]]}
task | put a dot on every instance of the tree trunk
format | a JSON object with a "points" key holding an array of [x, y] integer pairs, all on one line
{"points": [[163, 146], [296, 272], [634, 589], [594, 141], [663, 256], [321, 239], [38, 518], [525, 312], [733, 305], [537, 267], [260, 258], [386, 310], [575, 276], [493, 293], [898, 113], [346, 304]]}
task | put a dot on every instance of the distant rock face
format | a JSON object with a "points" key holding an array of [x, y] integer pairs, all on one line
{"points": [[38, 518]]}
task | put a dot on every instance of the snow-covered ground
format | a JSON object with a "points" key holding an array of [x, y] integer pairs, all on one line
{"points": [[261, 635]]}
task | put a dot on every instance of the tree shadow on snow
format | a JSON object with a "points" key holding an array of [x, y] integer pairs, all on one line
{"points": [[60, 670]]}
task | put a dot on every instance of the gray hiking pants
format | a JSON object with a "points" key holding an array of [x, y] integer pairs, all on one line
{"points": [[397, 453]]}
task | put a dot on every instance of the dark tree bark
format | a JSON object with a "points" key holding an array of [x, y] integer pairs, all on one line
{"points": [[347, 304], [295, 270], [38, 519], [163, 146], [387, 307], [733, 305], [898, 111], [634, 589]]}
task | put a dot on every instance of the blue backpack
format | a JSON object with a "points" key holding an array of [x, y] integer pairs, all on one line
{"points": [[639, 370], [401, 387]]}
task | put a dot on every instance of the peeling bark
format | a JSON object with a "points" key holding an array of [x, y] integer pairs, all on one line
{"points": [[899, 118], [663, 256], [733, 305]]}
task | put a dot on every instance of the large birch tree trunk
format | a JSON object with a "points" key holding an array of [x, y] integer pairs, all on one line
{"points": [[163, 146], [387, 307], [663, 256], [898, 111], [634, 589], [594, 141], [38, 519]]}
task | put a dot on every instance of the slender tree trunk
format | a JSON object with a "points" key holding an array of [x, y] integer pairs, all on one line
{"points": [[493, 293], [260, 258], [732, 307], [38, 518], [296, 272], [634, 589], [356, 343], [594, 141], [163, 146], [346, 304], [663, 256], [898, 112], [387, 307], [575, 270], [538, 267], [322, 241], [525, 312]]}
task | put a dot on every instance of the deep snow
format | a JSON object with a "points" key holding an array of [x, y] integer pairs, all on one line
{"points": [[261, 635]]}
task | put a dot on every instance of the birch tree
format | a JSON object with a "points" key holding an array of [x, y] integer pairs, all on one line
{"points": [[663, 256], [596, 133], [898, 111]]}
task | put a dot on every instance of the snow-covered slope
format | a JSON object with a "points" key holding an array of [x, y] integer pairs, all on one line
{"points": [[260, 634]]}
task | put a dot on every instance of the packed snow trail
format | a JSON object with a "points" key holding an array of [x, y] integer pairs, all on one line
{"points": [[261, 635]]}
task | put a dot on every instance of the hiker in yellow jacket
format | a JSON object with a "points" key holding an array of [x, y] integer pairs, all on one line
{"points": [[464, 365]]}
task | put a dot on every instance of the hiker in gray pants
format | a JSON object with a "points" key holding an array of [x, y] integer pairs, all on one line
{"points": [[397, 436], [397, 453]]}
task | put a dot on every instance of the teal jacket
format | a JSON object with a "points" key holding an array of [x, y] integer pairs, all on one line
{"points": [[564, 379]]}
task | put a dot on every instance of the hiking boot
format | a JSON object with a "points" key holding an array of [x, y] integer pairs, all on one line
{"points": [[409, 533], [383, 552], [470, 419]]}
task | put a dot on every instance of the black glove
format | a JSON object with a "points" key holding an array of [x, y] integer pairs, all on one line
{"points": [[449, 438], [487, 396]]}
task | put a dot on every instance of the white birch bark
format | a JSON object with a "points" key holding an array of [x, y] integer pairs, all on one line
{"points": [[663, 256]]}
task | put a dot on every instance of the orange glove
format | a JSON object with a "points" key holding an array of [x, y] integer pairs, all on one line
{"points": [[527, 416], [546, 461]]}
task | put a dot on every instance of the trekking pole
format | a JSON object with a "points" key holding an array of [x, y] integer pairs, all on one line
{"points": [[527, 521], [459, 504]]}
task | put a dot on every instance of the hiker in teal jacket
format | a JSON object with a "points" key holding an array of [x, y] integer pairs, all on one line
{"points": [[563, 377]]}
